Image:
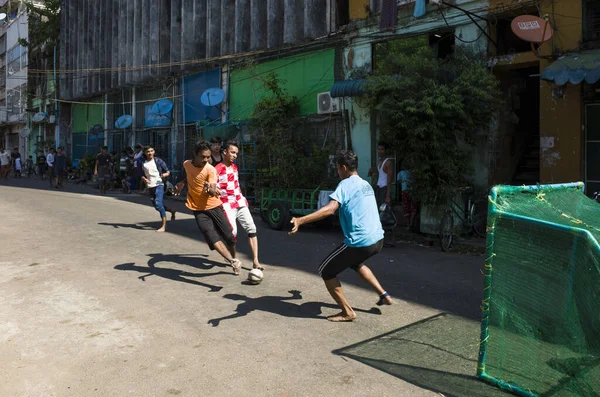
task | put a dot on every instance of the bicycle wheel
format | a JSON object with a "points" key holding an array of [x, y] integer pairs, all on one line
{"points": [[446, 229], [478, 216]]}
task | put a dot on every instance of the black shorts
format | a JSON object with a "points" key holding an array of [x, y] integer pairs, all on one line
{"points": [[215, 226], [344, 257]]}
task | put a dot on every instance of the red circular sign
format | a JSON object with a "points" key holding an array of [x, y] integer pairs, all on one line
{"points": [[531, 28]]}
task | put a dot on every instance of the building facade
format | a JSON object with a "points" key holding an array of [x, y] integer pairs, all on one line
{"points": [[545, 133], [14, 117]]}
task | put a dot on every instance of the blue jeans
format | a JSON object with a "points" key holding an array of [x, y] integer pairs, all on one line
{"points": [[156, 196]]}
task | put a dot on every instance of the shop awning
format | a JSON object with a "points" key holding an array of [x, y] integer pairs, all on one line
{"points": [[347, 88], [574, 68]]}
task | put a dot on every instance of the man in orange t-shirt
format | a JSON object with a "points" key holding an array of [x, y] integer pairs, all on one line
{"points": [[203, 200]]}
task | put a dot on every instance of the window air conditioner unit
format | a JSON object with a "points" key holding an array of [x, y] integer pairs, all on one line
{"points": [[326, 104]]}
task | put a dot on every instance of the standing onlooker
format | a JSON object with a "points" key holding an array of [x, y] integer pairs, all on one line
{"points": [[410, 207], [4, 162], [234, 202], [29, 166], [383, 191], [16, 156], [41, 164], [216, 156], [60, 165], [102, 169], [138, 160], [50, 162], [129, 181], [155, 170], [17, 167]]}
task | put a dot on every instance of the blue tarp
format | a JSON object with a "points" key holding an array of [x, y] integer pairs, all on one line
{"points": [[347, 88], [574, 68], [193, 87]]}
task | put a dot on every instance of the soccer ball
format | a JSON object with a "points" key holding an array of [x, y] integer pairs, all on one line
{"points": [[255, 276]]}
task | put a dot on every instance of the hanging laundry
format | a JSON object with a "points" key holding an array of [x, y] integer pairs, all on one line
{"points": [[389, 14], [419, 9]]}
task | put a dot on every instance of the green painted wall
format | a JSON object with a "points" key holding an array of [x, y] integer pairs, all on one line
{"points": [[305, 76], [86, 116]]}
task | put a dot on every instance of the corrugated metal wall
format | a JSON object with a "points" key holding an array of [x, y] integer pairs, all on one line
{"points": [[117, 43]]}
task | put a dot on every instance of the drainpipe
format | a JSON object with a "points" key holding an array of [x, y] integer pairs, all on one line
{"points": [[184, 120], [133, 116], [56, 110], [105, 108]]}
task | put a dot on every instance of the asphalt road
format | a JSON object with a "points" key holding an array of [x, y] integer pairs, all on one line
{"points": [[95, 303]]}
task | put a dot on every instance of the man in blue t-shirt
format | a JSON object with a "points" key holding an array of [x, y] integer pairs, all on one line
{"points": [[363, 234]]}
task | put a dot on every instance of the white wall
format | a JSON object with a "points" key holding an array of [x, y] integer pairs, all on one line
{"points": [[18, 28], [357, 59]]}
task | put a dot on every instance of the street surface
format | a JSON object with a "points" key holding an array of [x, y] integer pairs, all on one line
{"points": [[95, 303]]}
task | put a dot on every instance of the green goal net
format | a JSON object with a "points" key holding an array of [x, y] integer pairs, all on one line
{"points": [[540, 330]]}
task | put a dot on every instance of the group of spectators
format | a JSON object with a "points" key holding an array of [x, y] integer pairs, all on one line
{"points": [[51, 163]]}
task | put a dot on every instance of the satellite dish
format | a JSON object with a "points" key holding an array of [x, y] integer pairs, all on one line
{"points": [[531, 28], [97, 129], [124, 121], [39, 117], [162, 107], [212, 97], [24, 133]]}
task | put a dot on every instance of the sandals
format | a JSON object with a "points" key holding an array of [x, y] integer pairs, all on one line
{"points": [[382, 297], [236, 264], [259, 267]]}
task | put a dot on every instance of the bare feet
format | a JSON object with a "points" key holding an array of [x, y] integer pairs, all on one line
{"points": [[342, 317], [384, 299], [161, 230], [173, 215], [237, 266], [258, 266]]}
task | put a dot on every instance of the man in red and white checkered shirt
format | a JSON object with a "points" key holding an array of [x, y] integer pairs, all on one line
{"points": [[234, 202]]}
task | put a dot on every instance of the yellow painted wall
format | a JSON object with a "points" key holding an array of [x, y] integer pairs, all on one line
{"points": [[560, 117], [560, 134], [358, 9]]}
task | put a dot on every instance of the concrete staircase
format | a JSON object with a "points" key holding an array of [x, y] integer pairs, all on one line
{"points": [[528, 170]]}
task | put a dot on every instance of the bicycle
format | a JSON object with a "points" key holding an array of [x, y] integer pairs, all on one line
{"points": [[473, 216]]}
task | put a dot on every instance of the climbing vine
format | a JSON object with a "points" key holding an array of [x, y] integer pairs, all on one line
{"points": [[287, 158], [431, 110], [44, 24]]}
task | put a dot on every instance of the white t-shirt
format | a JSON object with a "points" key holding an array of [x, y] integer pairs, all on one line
{"points": [[50, 159], [4, 158], [152, 174]]}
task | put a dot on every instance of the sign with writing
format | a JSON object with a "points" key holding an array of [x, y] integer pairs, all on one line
{"points": [[531, 28]]}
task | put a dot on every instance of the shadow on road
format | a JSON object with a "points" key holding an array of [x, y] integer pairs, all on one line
{"points": [[196, 261], [445, 282], [280, 305], [137, 226], [438, 353]]}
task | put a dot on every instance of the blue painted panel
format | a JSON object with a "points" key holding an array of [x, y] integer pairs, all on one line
{"points": [[154, 120], [86, 143], [192, 88]]}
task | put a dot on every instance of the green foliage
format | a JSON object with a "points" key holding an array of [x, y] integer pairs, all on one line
{"points": [[431, 110], [87, 164], [44, 24], [41, 146], [286, 158]]}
